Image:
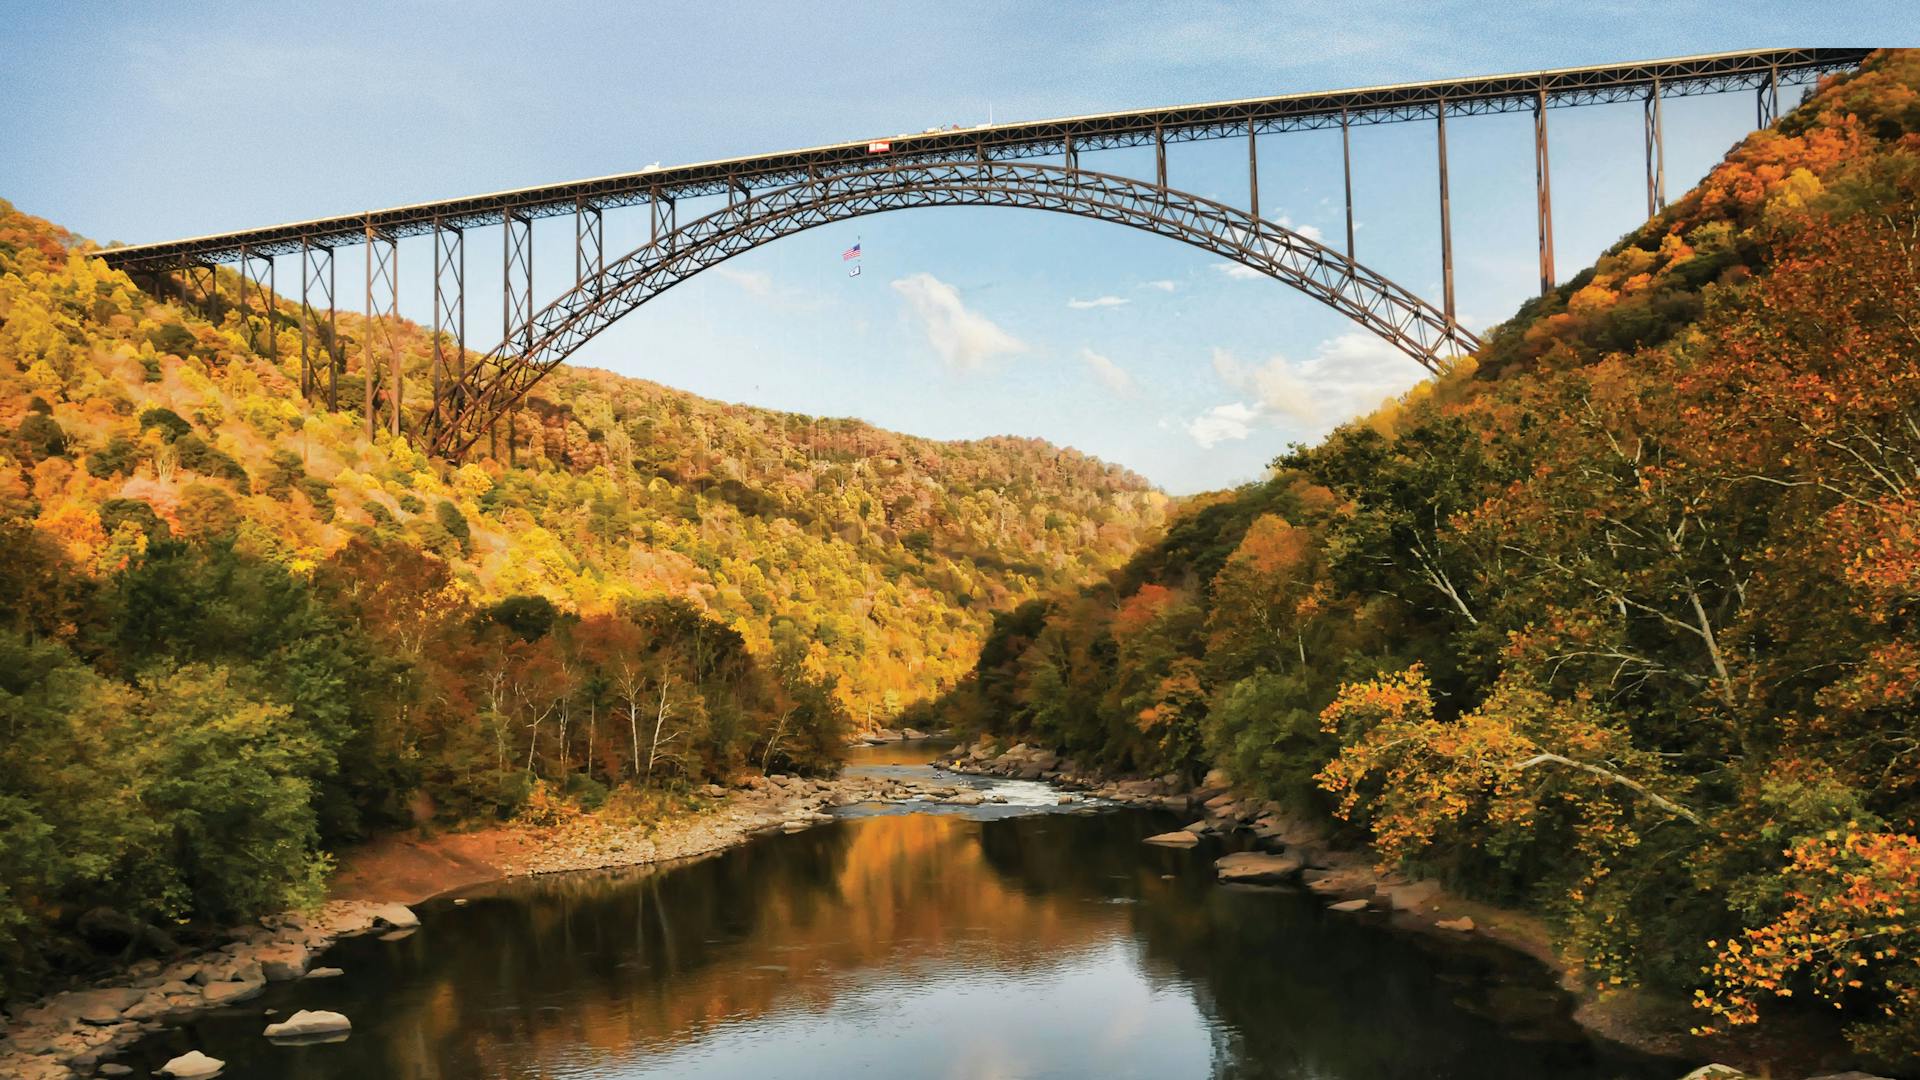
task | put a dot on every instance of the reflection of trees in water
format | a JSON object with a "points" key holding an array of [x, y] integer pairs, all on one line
{"points": [[1296, 991], [612, 966], [642, 960]]}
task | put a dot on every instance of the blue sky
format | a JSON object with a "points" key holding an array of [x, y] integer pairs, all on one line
{"points": [[140, 122]]}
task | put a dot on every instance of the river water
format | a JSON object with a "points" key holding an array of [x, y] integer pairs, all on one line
{"points": [[1023, 940]]}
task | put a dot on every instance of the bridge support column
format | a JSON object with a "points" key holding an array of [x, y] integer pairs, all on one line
{"points": [[662, 217], [316, 275], [209, 286], [1346, 168], [1656, 153], [1159, 157], [1071, 159], [383, 310], [256, 283], [517, 285], [1446, 218], [1253, 171], [1543, 192], [589, 242], [449, 317], [1767, 98]]}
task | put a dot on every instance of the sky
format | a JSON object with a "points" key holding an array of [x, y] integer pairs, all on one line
{"points": [[142, 122]]}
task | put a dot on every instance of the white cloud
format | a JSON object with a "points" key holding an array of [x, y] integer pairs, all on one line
{"points": [[762, 287], [1113, 375], [1162, 284], [752, 282], [1311, 232], [1097, 302], [1277, 389], [1238, 271], [964, 339], [1346, 376], [1234, 420]]}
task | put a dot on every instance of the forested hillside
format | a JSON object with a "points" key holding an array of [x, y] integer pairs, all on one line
{"points": [[234, 632], [1617, 620]]}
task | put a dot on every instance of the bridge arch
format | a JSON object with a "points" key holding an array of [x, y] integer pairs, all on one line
{"points": [[503, 376]]}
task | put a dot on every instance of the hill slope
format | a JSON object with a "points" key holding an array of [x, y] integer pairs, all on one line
{"points": [[1619, 619], [234, 632]]}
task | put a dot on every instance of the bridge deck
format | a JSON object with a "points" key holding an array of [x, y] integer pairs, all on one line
{"points": [[1560, 87]]}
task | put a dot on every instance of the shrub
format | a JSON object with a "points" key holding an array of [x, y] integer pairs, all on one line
{"points": [[170, 424], [195, 454], [40, 436], [116, 459]]}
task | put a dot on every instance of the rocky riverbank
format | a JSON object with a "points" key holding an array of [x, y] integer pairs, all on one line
{"points": [[72, 1033], [1292, 849], [69, 1034]]}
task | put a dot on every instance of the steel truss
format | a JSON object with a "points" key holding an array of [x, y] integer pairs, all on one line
{"points": [[496, 382], [1762, 71], [316, 276], [256, 283], [449, 314], [383, 311]]}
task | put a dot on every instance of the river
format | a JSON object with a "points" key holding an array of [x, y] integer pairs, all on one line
{"points": [[1024, 940]]}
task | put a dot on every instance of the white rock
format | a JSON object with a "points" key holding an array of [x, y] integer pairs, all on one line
{"points": [[324, 973], [278, 963], [1257, 867], [308, 1022], [1181, 838], [192, 1064], [398, 916], [228, 993]]}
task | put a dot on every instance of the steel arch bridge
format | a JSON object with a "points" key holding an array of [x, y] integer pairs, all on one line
{"points": [[775, 195], [596, 302]]}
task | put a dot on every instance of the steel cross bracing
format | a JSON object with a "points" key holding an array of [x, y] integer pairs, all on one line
{"points": [[1765, 72], [496, 382]]}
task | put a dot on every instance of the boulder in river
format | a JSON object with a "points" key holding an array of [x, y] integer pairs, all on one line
{"points": [[1348, 906], [307, 1023], [191, 1065], [397, 916], [229, 993], [1257, 868], [1464, 924], [1179, 838], [324, 973], [278, 963], [96, 1006]]}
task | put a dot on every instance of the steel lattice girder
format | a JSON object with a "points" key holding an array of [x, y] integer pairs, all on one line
{"points": [[498, 380], [1717, 73]]}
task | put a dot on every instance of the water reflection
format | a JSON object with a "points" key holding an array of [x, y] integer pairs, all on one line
{"points": [[916, 946]]}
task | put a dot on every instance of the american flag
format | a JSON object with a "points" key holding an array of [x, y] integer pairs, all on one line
{"points": [[851, 253]]}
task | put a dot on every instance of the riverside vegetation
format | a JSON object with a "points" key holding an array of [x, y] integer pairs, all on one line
{"points": [[235, 633], [1616, 620]]}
